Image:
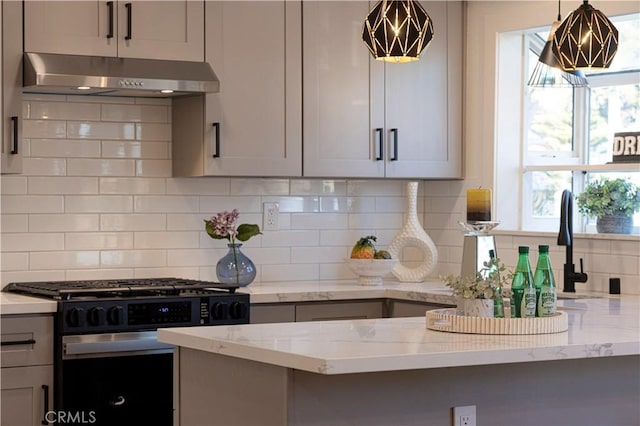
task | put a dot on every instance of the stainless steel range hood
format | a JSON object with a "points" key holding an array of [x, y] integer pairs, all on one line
{"points": [[107, 76]]}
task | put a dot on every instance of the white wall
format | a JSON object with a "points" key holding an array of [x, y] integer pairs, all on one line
{"points": [[96, 199]]}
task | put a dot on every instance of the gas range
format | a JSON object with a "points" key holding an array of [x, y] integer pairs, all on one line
{"points": [[109, 306]]}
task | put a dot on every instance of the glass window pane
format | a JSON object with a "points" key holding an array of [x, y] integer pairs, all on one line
{"points": [[612, 110], [551, 118], [547, 190]]}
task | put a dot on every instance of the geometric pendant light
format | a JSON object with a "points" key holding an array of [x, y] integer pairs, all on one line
{"points": [[397, 31], [548, 71], [586, 39]]}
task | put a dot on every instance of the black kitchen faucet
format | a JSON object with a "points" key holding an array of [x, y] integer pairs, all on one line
{"points": [[565, 238]]}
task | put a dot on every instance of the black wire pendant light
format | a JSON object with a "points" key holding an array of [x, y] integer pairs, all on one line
{"points": [[586, 39], [548, 71], [397, 31]]}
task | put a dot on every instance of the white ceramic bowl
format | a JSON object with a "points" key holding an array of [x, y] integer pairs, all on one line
{"points": [[371, 271]]}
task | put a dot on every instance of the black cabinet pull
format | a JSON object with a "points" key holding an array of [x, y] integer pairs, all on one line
{"points": [[18, 342], [380, 134], [129, 14], [394, 157], [16, 136], [216, 153], [110, 9], [45, 388]]}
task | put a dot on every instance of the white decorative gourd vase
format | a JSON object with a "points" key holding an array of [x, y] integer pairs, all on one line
{"points": [[413, 235]]}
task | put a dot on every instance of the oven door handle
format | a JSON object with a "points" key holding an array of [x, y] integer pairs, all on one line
{"points": [[123, 343]]}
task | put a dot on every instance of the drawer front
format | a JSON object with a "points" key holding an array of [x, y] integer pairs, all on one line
{"points": [[26, 340], [339, 311]]}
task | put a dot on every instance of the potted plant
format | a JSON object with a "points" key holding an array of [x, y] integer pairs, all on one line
{"points": [[481, 295], [613, 202]]}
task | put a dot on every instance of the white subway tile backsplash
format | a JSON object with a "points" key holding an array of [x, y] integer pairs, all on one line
{"points": [[32, 204], [318, 187], [100, 167], [133, 258], [44, 129], [13, 185], [98, 203], [133, 222], [319, 221], [198, 186], [136, 113], [122, 185], [14, 261], [172, 240], [63, 185], [153, 132], [168, 204], [259, 187], [153, 168], [98, 240], [64, 260], [44, 166], [99, 130], [63, 148], [64, 111], [63, 222], [14, 223], [32, 242], [96, 200], [135, 149]]}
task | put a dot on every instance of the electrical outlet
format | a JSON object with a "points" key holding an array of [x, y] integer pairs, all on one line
{"points": [[464, 415], [270, 213]]}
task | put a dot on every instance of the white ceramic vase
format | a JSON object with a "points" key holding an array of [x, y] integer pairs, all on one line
{"points": [[413, 235]]}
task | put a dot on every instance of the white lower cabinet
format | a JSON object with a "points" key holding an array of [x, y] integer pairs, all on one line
{"points": [[365, 118], [253, 126], [26, 376]]}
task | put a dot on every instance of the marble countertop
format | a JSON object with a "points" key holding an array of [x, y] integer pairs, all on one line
{"points": [[607, 326], [13, 304]]}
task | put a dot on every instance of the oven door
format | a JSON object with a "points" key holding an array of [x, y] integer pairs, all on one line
{"points": [[116, 379]]}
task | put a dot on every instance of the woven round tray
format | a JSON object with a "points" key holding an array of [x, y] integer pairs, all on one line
{"points": [[447, 320]]}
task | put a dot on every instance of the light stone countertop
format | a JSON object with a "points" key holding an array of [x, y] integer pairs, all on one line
{"points": [[14, 304], [602, 327]]}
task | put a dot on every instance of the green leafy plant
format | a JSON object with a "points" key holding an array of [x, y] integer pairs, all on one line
{"points": [[488, 283], [609, 197]]}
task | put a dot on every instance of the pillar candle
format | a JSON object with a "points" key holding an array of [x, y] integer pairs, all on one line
{"points": [[478, 205]]}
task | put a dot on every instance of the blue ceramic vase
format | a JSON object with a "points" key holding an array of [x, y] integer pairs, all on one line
{"points": [[235, 268]]}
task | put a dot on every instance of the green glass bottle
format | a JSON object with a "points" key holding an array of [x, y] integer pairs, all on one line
{"points": [[545, 284], [524, 292], [494, 273]]}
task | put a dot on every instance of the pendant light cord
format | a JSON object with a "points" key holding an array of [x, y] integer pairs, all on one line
{"points": [[559, 15]]}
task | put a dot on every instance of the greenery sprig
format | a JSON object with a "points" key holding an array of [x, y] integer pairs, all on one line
{"points": [[488, 283]]}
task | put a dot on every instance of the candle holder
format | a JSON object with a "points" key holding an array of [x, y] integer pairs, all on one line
{"points": [[477, 246]]}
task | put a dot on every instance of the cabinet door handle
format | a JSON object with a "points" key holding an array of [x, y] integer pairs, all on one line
{"points": [[18, 342], [45, 389], [380, 135], [110, 11], [394, 157], [16, 136], [216, 151], [129, 14]]}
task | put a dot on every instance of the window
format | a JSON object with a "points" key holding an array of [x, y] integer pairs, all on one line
{"points": [[567, 134]]}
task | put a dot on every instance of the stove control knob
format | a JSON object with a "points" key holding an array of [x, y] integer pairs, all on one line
{"points": [[219, 311], [95, 316], [236, 310], [114, 315], [75, 317]]}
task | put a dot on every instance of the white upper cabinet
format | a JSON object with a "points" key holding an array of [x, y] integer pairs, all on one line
{"points": [[365, 118], [134, 29], [11, 86], [252, 127]]}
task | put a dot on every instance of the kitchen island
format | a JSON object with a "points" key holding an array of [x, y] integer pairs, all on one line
{"points": [[395, 371]]}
